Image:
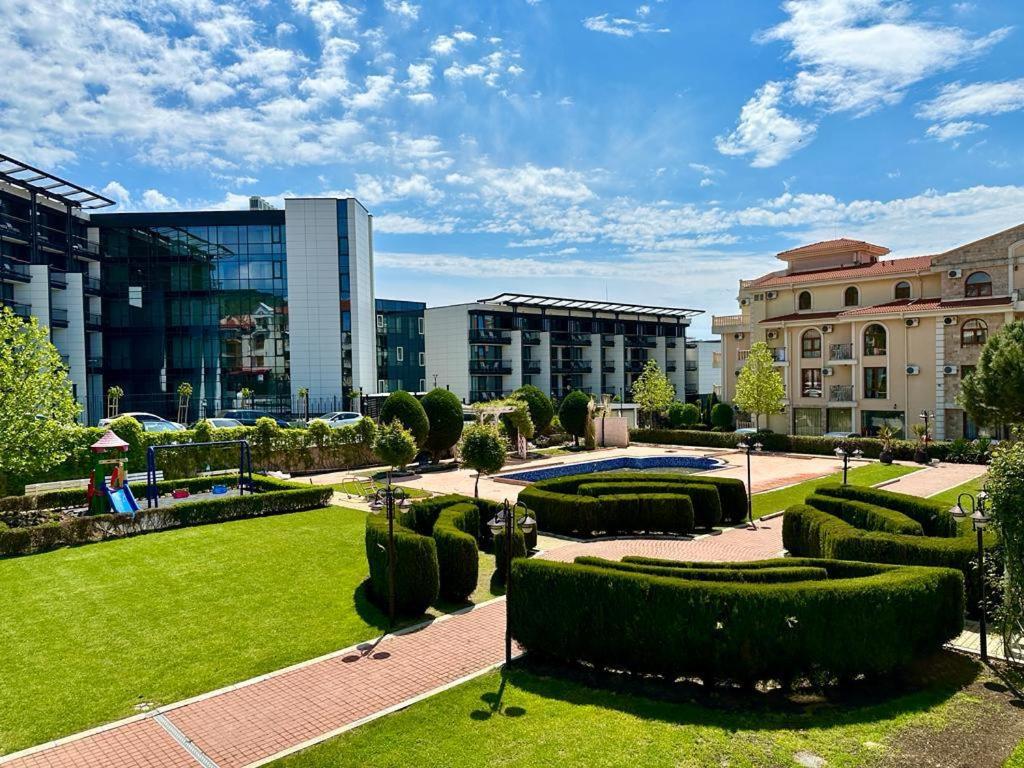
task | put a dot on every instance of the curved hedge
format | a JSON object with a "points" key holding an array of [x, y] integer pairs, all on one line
{"points": [[630, 502], [862, 619], [847, 522]]}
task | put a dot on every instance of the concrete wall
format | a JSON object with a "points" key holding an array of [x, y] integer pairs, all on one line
{"points": [[447, 347], [363, 309]]}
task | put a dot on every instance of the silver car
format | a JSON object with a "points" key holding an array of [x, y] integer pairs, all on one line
{"points": [[338, 419]]}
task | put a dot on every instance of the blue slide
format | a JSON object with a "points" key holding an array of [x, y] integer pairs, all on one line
{"points": [[122, 501]]}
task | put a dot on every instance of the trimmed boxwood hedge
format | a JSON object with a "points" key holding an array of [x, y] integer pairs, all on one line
{"points": [[849, 522], [772, 575], [869, 619], [621, 502], [276, 497], [417, 577]]}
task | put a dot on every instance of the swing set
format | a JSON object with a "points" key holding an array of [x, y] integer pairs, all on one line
{"points": [[244, 467]]}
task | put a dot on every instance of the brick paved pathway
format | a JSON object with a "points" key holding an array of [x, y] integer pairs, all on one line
{"points": [[936, 479]]}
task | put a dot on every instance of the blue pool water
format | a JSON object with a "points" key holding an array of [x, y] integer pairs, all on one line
{"points": [[642, 463]]}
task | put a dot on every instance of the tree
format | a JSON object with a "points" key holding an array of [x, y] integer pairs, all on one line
{"points": [[1006, 489], [184, 395], [721, 416], [444, 416], [114, 395], [36, 402], [407, 410], [394, 444], [574, 413], [304, 399], [541, 409], [759, 389], [681, 415], [247, 396], [652, 391], [994, 393], [483, 449]]}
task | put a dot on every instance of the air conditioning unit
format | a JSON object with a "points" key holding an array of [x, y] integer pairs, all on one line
{"points": [[954, 273], [772, 335], [950, 370], [949, 320], [912, 322], [771, 294], [913, 370], [827, 371], [737, 336], [744, 302], [827, 329]]}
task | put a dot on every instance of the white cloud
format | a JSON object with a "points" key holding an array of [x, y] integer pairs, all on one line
{"points": [[530, 183], [957, 100], [444, 45], [399, 224], [328, 16], [764, 131], [421, 98], [618, 26], [372, 190], [155, 200], [420, 76], [954, 130], [116, 191], [377, 91], [403, 8]]}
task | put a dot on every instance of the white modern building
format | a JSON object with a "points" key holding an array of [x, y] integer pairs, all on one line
{"points": [[704, 366], [486, 349]]}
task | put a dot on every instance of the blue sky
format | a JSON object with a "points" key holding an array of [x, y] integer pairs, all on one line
{"points": [[649, 152]]}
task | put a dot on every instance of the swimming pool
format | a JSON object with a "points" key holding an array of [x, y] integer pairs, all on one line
{"points": [[692, 463]]}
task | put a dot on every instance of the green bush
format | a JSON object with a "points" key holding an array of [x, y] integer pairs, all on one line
{"points": [[408, 411], [417, 579], [683, 415], [573, 413], [539, 405], [457, 553], [824, 527], [873, 622], [721, 416], [518, 551], [444, 415], [776, 575]]}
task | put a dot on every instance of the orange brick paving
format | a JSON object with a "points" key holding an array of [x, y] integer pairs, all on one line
{"points": [[138, 744]]}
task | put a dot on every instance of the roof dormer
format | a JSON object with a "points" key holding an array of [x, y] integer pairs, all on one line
{"points": [[831, 254]]}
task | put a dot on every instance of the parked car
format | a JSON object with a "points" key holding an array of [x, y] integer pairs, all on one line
{"points": [[752, 431], [247, 417], [338, 419], [221, 423], [840, 435], [150, 422]]}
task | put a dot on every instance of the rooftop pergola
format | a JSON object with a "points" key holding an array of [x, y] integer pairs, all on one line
{"points": [[553, 302], [54, 187]]}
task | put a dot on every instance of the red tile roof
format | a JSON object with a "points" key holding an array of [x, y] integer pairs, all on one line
{"points": [[900, 306], [801, 316], [836, 246], [858, 272]]}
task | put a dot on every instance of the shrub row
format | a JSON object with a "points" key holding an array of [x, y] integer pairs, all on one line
{"points": [[814, 529], [773, 575], [277, 497], [872, 623]]}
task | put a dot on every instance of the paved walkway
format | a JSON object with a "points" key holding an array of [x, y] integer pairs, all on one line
{"points": [[935, 479]]}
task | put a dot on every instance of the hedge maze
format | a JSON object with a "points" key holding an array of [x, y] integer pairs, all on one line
{"points": [[847, 522], [609, 503], [772, 620]]}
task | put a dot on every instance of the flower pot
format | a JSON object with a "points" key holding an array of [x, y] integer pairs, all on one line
{"points": [[885, 457], [921, 456]]}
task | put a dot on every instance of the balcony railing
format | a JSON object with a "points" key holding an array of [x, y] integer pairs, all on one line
{"points": [[489, 336], [840, 393], [531, 337], [558, 394], [14, 228], [721, 322], [840, 351], [82, 247], [692, 366], [93, 363], [483, 395], [742, 355], [93, 320], [531, 366], [564, 339], [502, 367], [635, 366], [607, 367], [670, 343], [671, 367], [59, 317], [91, 285], [649, 342], [23, 311], [58, 278], [15, 269], [607, 339], [570, 366]]}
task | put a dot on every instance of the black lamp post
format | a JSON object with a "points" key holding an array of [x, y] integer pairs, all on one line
{"points": [[385, 500], [750, 448], [979, 519], [926, 418], [505, 520], [846, 455]]}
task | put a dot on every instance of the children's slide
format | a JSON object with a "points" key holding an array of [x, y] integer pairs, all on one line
{"points": [[122, 501]]}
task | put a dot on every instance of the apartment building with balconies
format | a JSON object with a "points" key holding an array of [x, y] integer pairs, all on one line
{"points": [[863, 341], [487, 349]]}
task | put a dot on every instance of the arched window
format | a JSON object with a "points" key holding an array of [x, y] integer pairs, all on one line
{"points": [[803, 301], [977, 284], [973, 332], [810, 344], [874, 339], [851, 297], [902, 290]]}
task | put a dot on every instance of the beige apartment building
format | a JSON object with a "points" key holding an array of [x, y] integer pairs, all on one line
{"points": [[862, 341]]}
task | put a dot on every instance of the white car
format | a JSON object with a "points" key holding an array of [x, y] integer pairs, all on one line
{"points": [[340, 419], [219, 422], [150, 422]]}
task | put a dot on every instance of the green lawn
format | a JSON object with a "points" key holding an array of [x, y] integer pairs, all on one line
{"points": [[1016, 760], [88, 633], [552, 721], [949, 497], [363, 488], [867, 474]]}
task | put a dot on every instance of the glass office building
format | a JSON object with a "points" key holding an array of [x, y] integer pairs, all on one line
{"points": [[400, 346]]}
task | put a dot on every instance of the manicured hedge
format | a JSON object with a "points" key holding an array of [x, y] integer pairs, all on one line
{"points": [[276, 497], [417, 577], [846, 625], [620, 502], [772, 575], [834, 523]]}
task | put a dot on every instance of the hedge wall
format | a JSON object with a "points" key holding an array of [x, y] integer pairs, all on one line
{"points": [[871, 622], [630, 502], [276, 497], [772, 575], [417, 576], [853, 523]]}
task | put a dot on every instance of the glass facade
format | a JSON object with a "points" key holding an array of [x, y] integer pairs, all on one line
{"points": [[400, 346], [198, 298]]}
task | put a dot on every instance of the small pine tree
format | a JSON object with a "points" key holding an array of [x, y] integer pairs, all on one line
{"points": [[759, 388]]}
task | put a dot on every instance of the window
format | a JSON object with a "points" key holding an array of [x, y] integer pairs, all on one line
{"points": [[810, 344], [902, 290], [874, 340], [807, 421], [810, 382], [423, 385], [419, 325], [422, 359], [380, 321], [875, 383], [382, 385], [851, 297], [839, 420], [977, 284], [400, 354], [803, 301], [973, 333]]}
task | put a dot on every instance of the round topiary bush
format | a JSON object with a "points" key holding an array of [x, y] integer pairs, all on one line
{"points": [[574, 413], [722, 416], [444, 415], [774, 620], [539, 404], [407, 410], [682, 415]]}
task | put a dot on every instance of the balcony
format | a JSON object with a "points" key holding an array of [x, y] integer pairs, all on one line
{"points": [[489, 336], [85, 248], [94, 364], [607, 339], [692, 365], [635, 366], [670, 343], [531, 337], [647, 342], [15, 269], [13, 228], [563, 339], [24, 311], [58, 317], [58, 278], [531, 366], [93, 321], [559, 394], [840, 393], [607, 367], [485, 395], [671, 368], [720, 322], [570, 366], [840, 353], [490, 367], [91, 285]]}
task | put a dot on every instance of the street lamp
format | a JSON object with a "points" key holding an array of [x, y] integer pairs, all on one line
{"points": [[846, 455], [979, 519], [750, 448], [505, 520], [926, 418], [385, 500]]}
